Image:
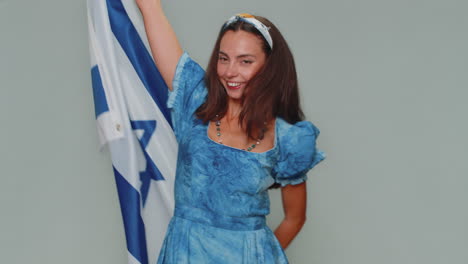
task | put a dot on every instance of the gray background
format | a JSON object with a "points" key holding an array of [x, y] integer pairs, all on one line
{"points": [[385, 81]]}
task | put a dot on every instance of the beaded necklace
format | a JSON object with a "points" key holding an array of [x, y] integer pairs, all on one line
{"points": [[250, 147]]}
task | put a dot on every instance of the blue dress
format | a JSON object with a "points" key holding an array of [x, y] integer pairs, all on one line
{"points": [[221, 193]]}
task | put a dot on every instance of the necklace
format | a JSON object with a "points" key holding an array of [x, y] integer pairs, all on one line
{"points": [[250, 147]]}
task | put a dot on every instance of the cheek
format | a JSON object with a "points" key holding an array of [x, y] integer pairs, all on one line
{"points": [[250, 73], [255, 69], [219, 69]]}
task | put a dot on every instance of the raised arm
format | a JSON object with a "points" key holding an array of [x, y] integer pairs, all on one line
{"points": [[163, 41]]}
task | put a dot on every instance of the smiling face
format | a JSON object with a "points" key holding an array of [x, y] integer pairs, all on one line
{"points": [[240, 57]]}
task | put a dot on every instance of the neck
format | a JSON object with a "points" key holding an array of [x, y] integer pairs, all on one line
{"points": [[234, 109]]}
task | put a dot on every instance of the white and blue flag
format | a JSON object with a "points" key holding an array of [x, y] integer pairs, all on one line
{"points": [[133, 120]]}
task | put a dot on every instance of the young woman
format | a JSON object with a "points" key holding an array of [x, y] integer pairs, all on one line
{"points": [[240, 132]]}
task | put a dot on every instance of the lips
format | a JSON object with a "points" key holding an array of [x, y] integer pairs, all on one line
{"points": [[233, 85]]}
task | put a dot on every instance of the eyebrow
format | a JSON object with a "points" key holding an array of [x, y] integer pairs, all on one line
{"points": [[240, 56]]}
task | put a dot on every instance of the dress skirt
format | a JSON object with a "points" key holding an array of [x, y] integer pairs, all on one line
{"points": [[196, 236]]}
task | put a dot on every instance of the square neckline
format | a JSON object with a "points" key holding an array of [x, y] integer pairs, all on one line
{"points": [[275, 140]]}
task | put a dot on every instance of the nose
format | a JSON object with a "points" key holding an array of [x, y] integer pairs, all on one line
{"points": [[231, 70]]}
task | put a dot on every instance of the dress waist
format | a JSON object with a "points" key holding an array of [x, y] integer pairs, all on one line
{"points": [[221, 221]]}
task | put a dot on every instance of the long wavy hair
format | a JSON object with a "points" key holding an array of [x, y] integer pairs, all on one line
{"points": [[272, 92]]}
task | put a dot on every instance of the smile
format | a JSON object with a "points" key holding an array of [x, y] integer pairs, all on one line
{"points": [[233, 85]]}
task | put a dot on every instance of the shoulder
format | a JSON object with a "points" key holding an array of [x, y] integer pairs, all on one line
{"points": [[187, 68], [188, 87], [188, 93], [296, 134], [297, 144], [297, 151]]}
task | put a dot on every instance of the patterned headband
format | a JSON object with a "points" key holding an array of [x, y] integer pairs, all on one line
{"points": [[248, 18]]}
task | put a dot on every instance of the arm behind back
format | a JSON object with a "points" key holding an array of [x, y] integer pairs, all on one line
{"points": [[164, 45]]}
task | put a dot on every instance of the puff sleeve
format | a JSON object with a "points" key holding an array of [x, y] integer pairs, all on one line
{"points": [[188, 93], [297, 153]]}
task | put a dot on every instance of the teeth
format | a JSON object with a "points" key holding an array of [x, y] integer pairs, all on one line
{"points": [[233, 84]]}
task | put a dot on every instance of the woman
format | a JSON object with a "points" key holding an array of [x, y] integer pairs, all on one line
{"points": [[240, 132]]}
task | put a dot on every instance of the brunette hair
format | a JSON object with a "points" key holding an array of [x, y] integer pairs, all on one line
{"points": [[272, 92]]}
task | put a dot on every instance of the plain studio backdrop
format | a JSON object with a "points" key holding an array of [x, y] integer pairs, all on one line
{"points": [[385, 81]]}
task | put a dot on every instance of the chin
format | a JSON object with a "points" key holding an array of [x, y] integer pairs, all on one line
{"points": [[235, 95]]}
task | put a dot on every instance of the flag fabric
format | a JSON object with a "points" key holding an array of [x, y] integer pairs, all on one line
{"points": [[133, 121]]}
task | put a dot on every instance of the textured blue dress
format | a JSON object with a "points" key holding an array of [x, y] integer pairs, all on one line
{"points": [[221, 193]]}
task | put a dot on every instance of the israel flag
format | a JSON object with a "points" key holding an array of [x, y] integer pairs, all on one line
{"points": [[134, 122]]}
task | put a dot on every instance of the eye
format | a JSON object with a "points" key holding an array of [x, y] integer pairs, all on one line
{"points": [[222, 59], [247, 62]]}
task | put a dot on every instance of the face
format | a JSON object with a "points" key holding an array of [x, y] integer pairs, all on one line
{"points": [[240, 57]]}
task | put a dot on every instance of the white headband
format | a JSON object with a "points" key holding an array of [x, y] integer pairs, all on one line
{"points": [[254, 22]]}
